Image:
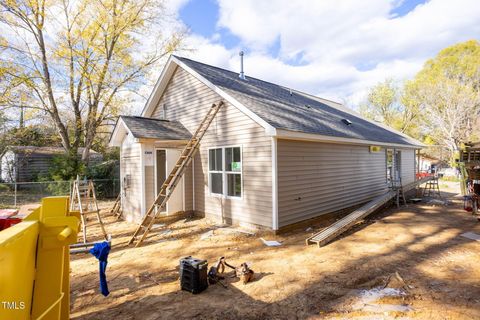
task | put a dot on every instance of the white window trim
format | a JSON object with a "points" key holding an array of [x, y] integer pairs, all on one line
{"points": [[224, 173]]}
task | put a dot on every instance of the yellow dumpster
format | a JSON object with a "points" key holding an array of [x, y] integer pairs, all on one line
{"points": [[34, 263]]}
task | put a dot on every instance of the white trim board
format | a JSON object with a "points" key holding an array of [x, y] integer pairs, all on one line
{"points": [[274, 185], [295, 135], [117, 137], [143, 205]]}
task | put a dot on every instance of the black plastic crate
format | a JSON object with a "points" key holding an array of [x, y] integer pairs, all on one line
{"points": [[193, 274]]}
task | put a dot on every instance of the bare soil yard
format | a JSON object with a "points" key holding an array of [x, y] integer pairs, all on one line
{"points": [[438, 271]]}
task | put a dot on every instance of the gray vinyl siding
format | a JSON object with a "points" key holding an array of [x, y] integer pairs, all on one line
{"points": [[318, 178], [187, 100], [131, 165]]}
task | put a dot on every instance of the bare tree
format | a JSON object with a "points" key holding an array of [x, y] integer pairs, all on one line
{"points": [[77, 59]]}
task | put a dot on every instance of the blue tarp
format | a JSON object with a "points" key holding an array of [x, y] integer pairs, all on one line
{"points": [[100, 251]]}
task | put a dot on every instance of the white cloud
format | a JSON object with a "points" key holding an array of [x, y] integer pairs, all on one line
{"points": [[341, 47]]}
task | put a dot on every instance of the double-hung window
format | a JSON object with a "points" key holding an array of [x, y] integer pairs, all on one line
{"points": [[225, 171]]}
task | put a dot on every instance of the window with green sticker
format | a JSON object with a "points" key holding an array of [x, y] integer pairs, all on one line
{"points": [[225, 171]]}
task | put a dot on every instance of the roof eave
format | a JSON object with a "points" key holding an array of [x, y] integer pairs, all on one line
{"points": [[296, 135], [118, 133]]}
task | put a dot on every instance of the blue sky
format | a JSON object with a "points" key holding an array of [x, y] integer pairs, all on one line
{"points": [[335, 49], [201, 17]]}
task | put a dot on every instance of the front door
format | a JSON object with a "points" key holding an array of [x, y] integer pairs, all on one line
{"points": [[165, 160], [160, 171]]}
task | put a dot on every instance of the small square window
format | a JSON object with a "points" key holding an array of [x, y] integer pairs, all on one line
{"points": [[225, 171]]}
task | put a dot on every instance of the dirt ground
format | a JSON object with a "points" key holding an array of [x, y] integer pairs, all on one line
{"points": [[414, 256]]}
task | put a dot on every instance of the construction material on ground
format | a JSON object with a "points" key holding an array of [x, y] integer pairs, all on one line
{"points": [[328, 234], [471, 236], [193, 274], [168, 187], [215, 273], [270, 243], [84, 200], [81, 247], [117, 207], [34, 265], [369, 300], [206, 235]]}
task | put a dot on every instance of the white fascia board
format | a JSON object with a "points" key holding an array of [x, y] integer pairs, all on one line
{"points": [[295, 135], [270, 130], [159, 87], [119, 133]]}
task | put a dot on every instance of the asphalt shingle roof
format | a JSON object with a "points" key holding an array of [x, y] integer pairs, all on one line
{"points": [[149, 128], [293, 110]]}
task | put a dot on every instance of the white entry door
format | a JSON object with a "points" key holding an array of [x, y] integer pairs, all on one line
{"points": [[165, 161]]}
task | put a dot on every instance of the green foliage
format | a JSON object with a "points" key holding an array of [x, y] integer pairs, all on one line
{"points": [[4, 188], [37, 136], [451, 179], [63, 168], [448, 90], [66, 167], [441, 105], [95, 56], [388, 103], [104, 170]]}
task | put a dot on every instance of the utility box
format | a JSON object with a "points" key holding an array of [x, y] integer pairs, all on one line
{"points": [[193, 274]]}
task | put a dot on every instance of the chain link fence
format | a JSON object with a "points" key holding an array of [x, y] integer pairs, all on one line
{"points": [[23, 193]]}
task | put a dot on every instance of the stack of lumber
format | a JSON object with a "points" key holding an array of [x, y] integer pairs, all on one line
{"points": [[328, 234]]}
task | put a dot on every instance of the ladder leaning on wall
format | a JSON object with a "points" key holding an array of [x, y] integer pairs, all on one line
{"points": [[174, 177]]}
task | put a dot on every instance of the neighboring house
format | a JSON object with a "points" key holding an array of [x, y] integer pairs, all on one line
{"points": [[272, 157], [25, 163], [428, 163]]}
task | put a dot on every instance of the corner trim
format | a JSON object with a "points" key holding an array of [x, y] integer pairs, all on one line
{"points": [[274, 185], [142, 178]]}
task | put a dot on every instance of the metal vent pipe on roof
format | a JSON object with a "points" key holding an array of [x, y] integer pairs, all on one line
{"points": [[242, 74]]}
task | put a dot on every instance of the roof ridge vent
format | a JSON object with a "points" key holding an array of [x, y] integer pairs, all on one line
{"points": [[242, 74]]}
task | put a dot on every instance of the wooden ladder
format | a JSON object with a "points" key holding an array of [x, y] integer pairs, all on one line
{"points": [[117, 207], [432, 188], [84, 200], [174, 177]]}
